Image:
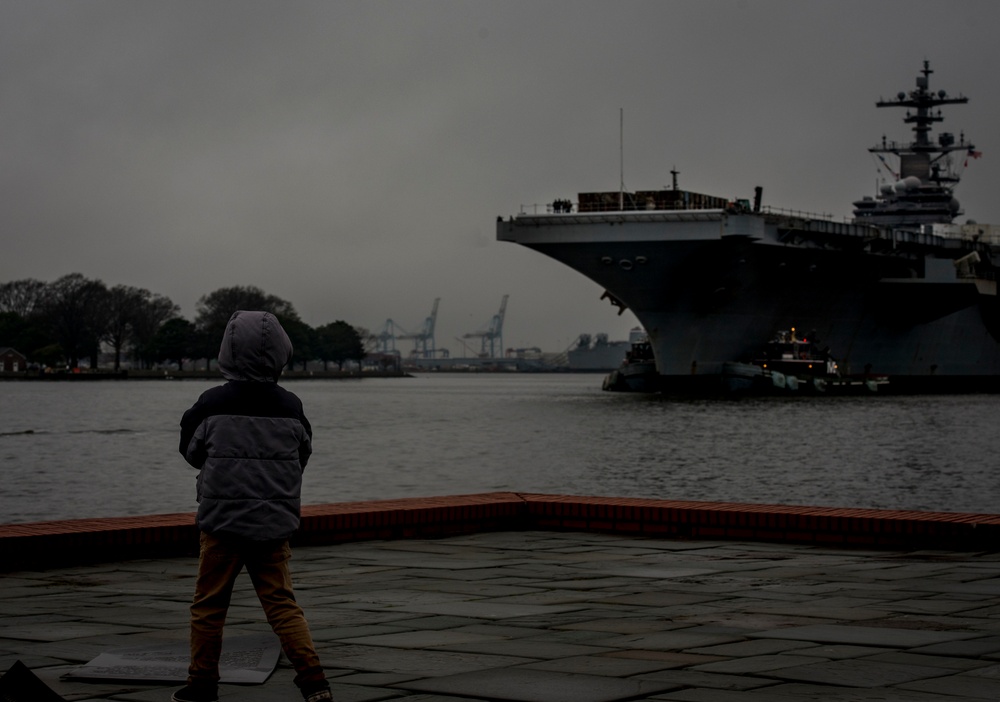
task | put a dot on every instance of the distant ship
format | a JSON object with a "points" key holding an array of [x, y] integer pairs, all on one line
{"points": [[897, 291], [596, 353]]}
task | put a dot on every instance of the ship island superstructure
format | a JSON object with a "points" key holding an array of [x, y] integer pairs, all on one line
{"points": [[898, 290]]}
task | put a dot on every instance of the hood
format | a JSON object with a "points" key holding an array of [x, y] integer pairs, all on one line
{"points": [[254, 347]]}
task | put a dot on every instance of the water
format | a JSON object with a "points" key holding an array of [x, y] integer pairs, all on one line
{"points": [[72, 450]]}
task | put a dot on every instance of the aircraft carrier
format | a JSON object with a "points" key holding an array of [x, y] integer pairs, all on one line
{"points": [[899, 290]]}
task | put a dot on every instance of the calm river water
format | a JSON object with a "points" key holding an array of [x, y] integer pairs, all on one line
{"points": [[72, 450]]}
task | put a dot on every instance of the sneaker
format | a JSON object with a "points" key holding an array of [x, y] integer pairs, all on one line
{"points": [[317, 692], [196, 693]]}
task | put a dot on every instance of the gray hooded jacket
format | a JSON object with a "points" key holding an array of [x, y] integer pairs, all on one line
{"points": [[249, 438]]}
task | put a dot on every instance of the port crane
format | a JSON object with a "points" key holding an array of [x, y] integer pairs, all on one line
{"points": [[492, 336], [423, 340], [385, 340]]}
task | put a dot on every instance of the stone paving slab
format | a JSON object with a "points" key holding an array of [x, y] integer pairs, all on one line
{"points": [[613, 666], [987, 646], [528, 685], [544, 648], [488, 609], [797, 692], [552, 616], [415, 662], [866, 635], [856, 673], [709, 682], [756, 664], [969, 686], [676, 640]]}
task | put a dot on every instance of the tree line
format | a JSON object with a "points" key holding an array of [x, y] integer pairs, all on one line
{"points": [[64, 321]]}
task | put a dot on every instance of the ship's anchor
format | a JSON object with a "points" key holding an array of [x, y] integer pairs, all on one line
{"points": [[615, 302]]}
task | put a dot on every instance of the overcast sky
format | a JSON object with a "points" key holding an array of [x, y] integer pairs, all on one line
{"points": [[352, 157]]}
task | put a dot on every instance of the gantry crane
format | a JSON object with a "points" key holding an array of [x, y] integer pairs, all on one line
{"points": [[492, 336], [423, 340], [385, 340]]}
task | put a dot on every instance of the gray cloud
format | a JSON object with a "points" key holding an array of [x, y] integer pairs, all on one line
{"points": [[352, 157]]}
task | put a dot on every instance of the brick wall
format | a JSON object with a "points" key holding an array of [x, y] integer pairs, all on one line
{"points": [[60, 543]]}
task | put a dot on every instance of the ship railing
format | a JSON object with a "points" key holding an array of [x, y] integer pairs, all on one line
{"points": [[569, 207], [549, 207], [984, 233], [801, 214], [629, 207], [575, 214]]}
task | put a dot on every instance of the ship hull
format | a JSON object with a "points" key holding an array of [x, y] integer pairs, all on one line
{"points": [[712, 287]]}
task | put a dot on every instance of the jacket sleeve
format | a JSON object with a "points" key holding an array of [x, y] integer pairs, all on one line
{"points": [[305, 447], [192, 445]]}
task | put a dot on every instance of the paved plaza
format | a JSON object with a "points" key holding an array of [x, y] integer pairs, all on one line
{"points": [[541, 616]]}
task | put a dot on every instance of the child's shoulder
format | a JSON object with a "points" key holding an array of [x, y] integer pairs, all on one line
{"points": [[286, 394]]}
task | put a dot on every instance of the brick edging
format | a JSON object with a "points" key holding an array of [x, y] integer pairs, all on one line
{"points": [[60, 543], [763, 522]]}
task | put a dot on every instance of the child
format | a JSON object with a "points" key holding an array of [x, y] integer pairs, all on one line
{"points": [[251, 441]]}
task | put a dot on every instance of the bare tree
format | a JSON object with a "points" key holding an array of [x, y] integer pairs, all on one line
{"points": [[215, 309], [155, 311], [134, 315], [123, 306], [75, 309], [176, 340], [339, 342], [21, 297]]}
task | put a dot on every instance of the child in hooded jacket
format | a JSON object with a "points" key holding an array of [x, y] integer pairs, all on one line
{"points": [[250, 440]]}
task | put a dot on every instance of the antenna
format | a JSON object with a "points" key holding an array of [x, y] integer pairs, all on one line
{"points": [[621, 157]]}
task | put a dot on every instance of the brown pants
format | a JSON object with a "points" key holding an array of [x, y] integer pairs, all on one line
{"points": [[222, 560]]}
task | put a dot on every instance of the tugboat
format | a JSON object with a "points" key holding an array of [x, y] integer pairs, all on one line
{"points": [[638, 371], [793, 364]]}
